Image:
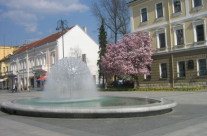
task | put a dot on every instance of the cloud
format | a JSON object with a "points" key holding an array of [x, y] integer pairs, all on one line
{"points": [[46, 6], [27, 12], [28, 20]]}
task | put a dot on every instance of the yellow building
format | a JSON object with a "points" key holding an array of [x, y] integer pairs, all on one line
{"points": [[4, 68], [178, 30], [5, 52]]}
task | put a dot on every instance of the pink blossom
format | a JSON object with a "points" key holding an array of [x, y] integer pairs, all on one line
{"points": [[130, 56]]}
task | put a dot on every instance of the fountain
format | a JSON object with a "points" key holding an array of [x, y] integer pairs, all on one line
{"points": [[70, 92]]}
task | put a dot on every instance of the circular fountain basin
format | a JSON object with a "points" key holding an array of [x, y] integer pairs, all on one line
{"points": [[101, 107]]}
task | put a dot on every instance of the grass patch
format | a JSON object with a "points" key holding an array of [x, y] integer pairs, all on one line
{"points": [[152, 89]]}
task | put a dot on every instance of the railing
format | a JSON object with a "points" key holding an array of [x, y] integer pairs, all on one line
{"points": [[22, 71], [40, 67], [9, 73]]}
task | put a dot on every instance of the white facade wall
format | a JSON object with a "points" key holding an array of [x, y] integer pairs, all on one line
{"points": [[76, 41]]}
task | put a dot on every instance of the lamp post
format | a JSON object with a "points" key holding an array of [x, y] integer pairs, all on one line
{"points": [[62, 25]]}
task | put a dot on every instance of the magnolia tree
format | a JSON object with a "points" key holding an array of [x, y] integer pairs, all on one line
{"points": [[130, 56]]}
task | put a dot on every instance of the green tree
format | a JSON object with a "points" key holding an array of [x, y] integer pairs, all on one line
{"points": [[102, 49]]}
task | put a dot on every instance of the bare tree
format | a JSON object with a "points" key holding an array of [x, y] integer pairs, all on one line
{"points": [[75, 52], [114, 13]]}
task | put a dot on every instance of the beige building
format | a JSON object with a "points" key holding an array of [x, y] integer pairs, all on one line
{"points": [[178, 30], [7, 50]]}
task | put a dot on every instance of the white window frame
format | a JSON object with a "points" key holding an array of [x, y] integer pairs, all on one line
{"points": [[160, 69], [159, 31], [141, 15], [145, 76], [30, 63], [24, 64], [196, 23], [178, 69], [176, 13], [178, 27], [159, 18], [53, 58], [198, 67], [197, 8]]}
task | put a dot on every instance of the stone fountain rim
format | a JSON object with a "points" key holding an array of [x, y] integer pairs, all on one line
{"points": [[162, 106]]}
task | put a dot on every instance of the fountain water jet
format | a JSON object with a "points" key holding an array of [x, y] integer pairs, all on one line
{"points": [[69, 80], [70, 92]]}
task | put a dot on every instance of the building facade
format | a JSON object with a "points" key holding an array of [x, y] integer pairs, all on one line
{"points": [[5, 52], [4, 68], [178, 31], [34, 60]]}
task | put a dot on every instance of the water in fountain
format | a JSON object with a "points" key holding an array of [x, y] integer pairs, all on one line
{"points": [[69, 80]]}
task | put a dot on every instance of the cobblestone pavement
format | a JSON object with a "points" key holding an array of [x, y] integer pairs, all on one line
{"points": [[189, 118]]}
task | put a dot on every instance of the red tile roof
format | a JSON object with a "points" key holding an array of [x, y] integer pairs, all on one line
{"points": [[48, 39]]}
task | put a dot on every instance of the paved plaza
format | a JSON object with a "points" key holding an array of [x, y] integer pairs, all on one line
{"points": [[189, 118]]}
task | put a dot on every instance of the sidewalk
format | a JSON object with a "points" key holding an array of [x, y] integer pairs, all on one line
{"points": [[189, 118]]}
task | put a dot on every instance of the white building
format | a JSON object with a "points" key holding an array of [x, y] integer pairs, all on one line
{"points": [[36, 59]]}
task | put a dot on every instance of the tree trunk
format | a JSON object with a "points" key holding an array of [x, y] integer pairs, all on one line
{"points": [[105, 85], [136, 83], [103, 81]]}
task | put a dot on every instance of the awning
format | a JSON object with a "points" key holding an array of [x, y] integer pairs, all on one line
{"points": [[42, 78], [2, 80]]}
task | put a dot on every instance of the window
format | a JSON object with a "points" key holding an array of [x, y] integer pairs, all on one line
{"points": [[200, 32], [197, 3], [31, 61], [148, 77], [53, 58], [181, 69], [202, 67], [176, 6], [162, 40], [163, 70], [179, 36], [24, 64], [159, 10], [44, 60], [38, 61], [144, 14]]}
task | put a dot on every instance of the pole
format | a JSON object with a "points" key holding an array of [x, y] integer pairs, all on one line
{"points": [[62, 25]]}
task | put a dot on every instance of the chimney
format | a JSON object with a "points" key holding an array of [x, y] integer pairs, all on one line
{"points": [[85, 29], [84, 58]]}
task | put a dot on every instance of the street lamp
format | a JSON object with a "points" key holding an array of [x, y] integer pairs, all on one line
{"points": [[62, 25]]}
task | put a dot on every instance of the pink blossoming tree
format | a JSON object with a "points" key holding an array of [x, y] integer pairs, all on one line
{"points": [[130, 56]]}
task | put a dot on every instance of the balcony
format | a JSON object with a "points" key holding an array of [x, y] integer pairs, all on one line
{"points": [[40, 68], [22, 71], [11, 73]]}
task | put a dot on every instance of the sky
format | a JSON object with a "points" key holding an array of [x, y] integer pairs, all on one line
{"points": [[25, 21]]}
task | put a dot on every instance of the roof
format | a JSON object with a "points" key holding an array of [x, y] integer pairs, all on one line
{"points": [[130, 2], [48, 39]]}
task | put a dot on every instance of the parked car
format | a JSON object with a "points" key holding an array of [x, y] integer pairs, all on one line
{"points": [[128, 83], [117, 83]]}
